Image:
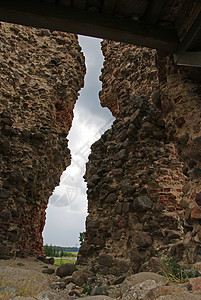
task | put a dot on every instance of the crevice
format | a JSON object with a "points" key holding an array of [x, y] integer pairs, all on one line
{"points": [[68, 204]]}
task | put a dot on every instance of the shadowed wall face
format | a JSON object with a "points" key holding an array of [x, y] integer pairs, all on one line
{"points": [[143, 175], [41, 74]]}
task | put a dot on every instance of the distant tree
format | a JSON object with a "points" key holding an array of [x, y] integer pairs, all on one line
{"points": [[57, 253], [51, 253], [81, 237], [61, 253]]}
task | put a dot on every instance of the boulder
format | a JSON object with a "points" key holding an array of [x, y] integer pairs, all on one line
{"points": [[48, 271], [138, 278], [66, 270], [100, 290], [81, 277], [139, 290], [30, 282]]}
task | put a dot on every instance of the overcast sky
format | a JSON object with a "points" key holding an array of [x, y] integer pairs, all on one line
{"points": [[67, 209]]}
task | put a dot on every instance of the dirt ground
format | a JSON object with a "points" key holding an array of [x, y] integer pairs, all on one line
{"points": [[30, 264]]}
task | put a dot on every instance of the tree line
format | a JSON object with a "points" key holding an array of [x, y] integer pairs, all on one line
{"points": [[58, 251]]}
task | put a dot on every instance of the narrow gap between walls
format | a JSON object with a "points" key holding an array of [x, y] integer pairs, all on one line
{"points": [[67, 208]]}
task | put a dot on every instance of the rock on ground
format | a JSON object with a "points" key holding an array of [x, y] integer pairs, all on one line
{"points": [[138, 278], [66, 270], [97, 298], [27, 282]]}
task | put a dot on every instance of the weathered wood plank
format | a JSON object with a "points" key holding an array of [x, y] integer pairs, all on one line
{"points": [[109, 7], [153, 11], [190, 36], [189, 59], [79, 4], [55, 17]]}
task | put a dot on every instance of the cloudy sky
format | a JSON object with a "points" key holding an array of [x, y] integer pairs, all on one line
{"points": [[67, 209]]}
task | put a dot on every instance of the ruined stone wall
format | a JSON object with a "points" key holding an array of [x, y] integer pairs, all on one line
{"points": [[144, 174], [180, 90], [134, 175], [128, 71], [41, 74]]}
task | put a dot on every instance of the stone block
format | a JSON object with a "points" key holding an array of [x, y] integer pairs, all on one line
{"points": [[143, 239], [142, 203], [105, 260], [196, 213]]}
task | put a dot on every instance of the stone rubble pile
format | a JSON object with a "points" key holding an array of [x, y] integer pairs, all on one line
{"points": [[21, 284]]}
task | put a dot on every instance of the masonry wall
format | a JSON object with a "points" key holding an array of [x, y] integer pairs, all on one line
{"points": [[180, 89], [138, 182], [41, 74]]}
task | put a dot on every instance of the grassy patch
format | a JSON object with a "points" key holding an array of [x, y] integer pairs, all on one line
{"points": [[174, 273], [70, 254], [60, 262]]}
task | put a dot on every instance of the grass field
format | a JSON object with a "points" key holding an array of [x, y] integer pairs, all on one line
{"points": [[60, 262], [70, 254]]}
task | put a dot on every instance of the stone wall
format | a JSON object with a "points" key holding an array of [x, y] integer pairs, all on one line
{"points": [[128, 70], [180, 89], [137, 176], [41, 74]]}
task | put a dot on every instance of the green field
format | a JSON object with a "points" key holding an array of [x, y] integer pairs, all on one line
{"points": [[70, 254], [60, 262]]}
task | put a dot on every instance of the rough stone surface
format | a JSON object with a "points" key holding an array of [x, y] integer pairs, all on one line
{"points": [[139, 291], [81, 277], [145, 196], [23, 298], [41, 74], [195, 283], [50, 296], [174, 291], [143, 175], [180, 89], [66, 270], [136, 279], [97, 298], [30, 282], [100, 290]]}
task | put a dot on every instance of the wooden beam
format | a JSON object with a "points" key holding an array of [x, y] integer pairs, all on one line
{"points": [[61, 18], [188, 59], [109, 6], [153, 11], [190, 36], [79, 4]]}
